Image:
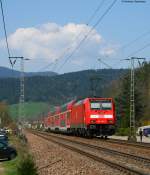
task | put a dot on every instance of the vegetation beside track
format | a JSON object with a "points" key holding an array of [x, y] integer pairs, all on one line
{"points": [[122, 131], [21, 163], [10, 167]]}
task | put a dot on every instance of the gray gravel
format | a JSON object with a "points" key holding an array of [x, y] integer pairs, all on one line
{"points": [[52, 159], [138, 165], [124, 148]]}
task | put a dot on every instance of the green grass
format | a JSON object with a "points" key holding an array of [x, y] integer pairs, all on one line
{"points": [[10, 167], [32, 109]]}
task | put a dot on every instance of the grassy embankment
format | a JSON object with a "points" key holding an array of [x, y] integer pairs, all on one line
{"points": [[10, 167], [32, 111]]}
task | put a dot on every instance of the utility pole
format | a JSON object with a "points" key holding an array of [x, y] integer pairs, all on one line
{"points": [[132, 135], [21, 98], [94, 81]]}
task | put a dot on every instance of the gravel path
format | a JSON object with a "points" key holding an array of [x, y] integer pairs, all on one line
{"points": [[52, 159]]}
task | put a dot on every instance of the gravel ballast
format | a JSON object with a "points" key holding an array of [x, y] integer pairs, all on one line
{"points": [[52, 159]]}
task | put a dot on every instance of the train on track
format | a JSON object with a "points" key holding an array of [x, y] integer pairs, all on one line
{"points": [[87, 117]]}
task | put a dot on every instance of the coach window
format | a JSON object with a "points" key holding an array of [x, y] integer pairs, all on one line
{"points": [[68, 115], [63, 123]]}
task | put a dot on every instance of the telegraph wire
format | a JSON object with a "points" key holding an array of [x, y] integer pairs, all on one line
{"points": [[136, 39], [5, 32], [95, 12], [139, 50], [47, 66], [76, 37], [132, 42], [89, 32], [107, 65]]}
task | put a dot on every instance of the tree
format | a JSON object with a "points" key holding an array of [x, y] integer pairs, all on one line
{"points": [[123, 103], [4, 115]]}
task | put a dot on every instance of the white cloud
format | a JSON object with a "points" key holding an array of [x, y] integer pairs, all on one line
{"points": [[51, 41], [78, 62], [108, 50]]}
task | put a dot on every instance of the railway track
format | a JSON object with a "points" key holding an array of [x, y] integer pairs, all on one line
{"points": [[125, 142], [131, 156], [64, 142]]}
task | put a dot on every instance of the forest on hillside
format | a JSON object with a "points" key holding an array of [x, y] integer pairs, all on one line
{"points": [[120, 90], [59, 89]]}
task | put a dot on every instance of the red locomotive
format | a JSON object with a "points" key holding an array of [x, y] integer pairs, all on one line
{"points": [[86, 117]]}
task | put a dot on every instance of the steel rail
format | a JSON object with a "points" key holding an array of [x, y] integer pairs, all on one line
{"points": [[125, 142], [100, 148], [119, 167]]}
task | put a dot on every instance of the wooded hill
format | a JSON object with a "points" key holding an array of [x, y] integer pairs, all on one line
{"points": [[120, 90], [59, 89], [8, 73]]}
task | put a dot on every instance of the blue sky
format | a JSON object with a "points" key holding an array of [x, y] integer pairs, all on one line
{"points": [[62, 21]]}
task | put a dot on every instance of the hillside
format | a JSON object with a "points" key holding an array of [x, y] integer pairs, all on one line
{"points": [[8, 73], [60, 88], [32, 110], [120, 90]]}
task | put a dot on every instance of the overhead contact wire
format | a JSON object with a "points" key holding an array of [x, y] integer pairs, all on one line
{"points": [[136, 39], [87, 35], [5, 32], [76, 37], [140, 49]]}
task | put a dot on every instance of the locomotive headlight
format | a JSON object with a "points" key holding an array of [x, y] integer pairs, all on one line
{"points": [[93, 121], [94, 116], [108, 116], [110, 121]]}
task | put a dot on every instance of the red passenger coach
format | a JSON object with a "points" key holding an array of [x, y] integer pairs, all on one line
{"points": [[86, 117]]}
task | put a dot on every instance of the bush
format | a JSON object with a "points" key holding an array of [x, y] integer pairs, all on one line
{"points": [[123, 131], [27, 166]]}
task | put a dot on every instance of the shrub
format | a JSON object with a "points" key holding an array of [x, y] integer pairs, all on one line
{"points": [[123, 131], [27, 166]]}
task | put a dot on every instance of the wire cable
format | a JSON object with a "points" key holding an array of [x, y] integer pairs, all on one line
{"points": [[95, 12], [76, 37], [5, 32], [110, 67], [136, 39], [139, 50], [89, 32]]}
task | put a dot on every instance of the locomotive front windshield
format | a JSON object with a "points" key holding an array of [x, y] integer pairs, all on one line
{"points": [[101, 105]]}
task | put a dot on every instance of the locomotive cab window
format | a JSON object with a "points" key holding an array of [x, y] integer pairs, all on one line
{"points": [[101, 105], [106, 105], [95, 105]]}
